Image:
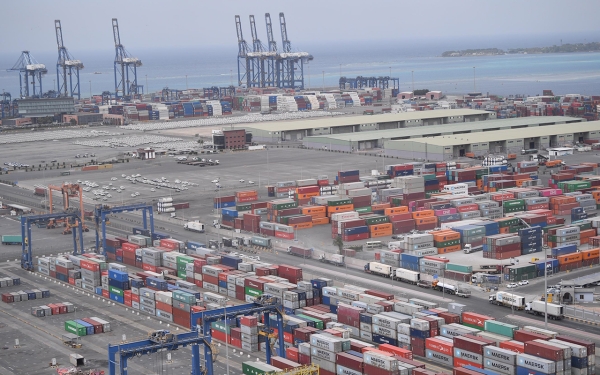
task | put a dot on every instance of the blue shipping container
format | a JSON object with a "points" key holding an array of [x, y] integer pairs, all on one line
{"points": [[98, 290], [229, 212], [366, 318], [419, 334], [523, 371], [159, 236], [410, 258], [480, 370], [123, 285], [523, 232], [318, 284], [356, 230], [563, 250], [89, 329], [348, 173], [579, 362], [355, 353], [118, 275], [230, 261], [156, 283], [384, 340], [117, 298], [194, 245], [137, 283], [222, 284], [325, 300]]}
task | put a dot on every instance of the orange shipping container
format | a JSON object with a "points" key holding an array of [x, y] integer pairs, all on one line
{"points": [[381, 233], [320, 220], [302, 225], [587, 233], [308, 195], [447, 235], [521, 182], [590, 254], [449, 249], [336, 209], [380, 206], [246, 193], [313, 210], [378, 227], [569, 258], [424, 213], [426, 220], [395, 210]]}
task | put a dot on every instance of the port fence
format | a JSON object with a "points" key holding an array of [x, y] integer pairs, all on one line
{"points": [[581, 313]]}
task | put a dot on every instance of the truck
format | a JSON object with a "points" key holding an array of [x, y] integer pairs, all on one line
{"points": [[507, 299], [451, 289], [12, 239], [299, 251], [468, 249], [335, 259], [544, 160], [555, 311], [408, 276], [194, 226], [379, 269], [261, 241]]}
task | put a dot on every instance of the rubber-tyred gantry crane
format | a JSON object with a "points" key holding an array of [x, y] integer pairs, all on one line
{"points": [[67, 68], [125, 66]]}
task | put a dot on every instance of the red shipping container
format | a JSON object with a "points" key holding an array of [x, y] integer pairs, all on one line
{"points": [[349, 361], [475, 319], [396, 351], [349, 315], [439, 346], [164, 307], [147, 267], [459, 362], [546, 351], [450, 318], [303, 359], [468, 344], [591, 347], [480, 339], [512, 345], [524, 336], [376, 293], [235, 342], [210, 279], [418, 346], [372, 370], [411, 362], [464, 371], [105, 293], [291, 353]]}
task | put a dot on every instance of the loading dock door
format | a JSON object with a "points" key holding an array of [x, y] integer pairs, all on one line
{"points": [[531, 145]]}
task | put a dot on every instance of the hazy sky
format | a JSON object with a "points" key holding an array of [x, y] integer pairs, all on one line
{"points": [[151, 24]]}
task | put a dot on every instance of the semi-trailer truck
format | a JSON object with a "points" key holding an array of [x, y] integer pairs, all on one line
{"points": [[507, 299], [299, 252], [408, 276], [335, 259], [379, 269], [194, 226], [555, 311], [451, 289]]}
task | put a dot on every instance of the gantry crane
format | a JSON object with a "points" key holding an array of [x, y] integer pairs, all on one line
{"points": [[124, 65], [29, 68], [119, 354], [100, 212], [271, 62], [68, 191], [291, 71], [245, 58], [66, 68], [27, 220], [7, 107]]}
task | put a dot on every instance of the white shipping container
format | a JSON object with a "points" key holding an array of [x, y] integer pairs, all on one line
{"points": [[383, 331], [419, 324], [380, 361], [499, 366], [536, 363]]}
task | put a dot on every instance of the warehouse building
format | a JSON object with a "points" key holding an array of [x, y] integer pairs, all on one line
{"points": [[448, 147], [296, 130], [376, 139], [45, 107]]}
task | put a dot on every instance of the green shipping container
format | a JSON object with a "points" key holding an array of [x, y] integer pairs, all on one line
{"points": [[472, 326], [258, 368], [222, 327], [376, 220], [183, 260], [583, 226], [459, 268], [546, 229], [74, 328], [522, 270], [339, 202], [12, 239], [249, 291], [243, 207], [283, 206], [514, 203], [181, 274], [508, 223], [318, 323], [184, 297], [500, 328], [117, 291], [361, 210], [441, 244]]}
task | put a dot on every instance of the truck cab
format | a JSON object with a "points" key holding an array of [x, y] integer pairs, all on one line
{"points": [[468, 249]]}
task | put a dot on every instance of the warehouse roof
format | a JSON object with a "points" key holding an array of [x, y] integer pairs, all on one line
{"points": [[326, 122], [501, 135], [463, 127]]}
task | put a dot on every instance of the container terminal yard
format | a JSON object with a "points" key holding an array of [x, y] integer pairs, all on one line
{"points": [[248, 215], [272, 229]]}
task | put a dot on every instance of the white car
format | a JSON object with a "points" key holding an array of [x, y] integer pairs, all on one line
{"points": [[113, 179], [242, 180], [119, 190], [524, 282], [133, 195], [251, 182], [152, 189], [215, 181], [124, 175], [108, 196], [512, 285], [136, 193]]}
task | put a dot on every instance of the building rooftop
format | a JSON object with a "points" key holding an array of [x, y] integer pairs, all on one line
{"points": [[462, 127], [501, 135], [327, 122]]}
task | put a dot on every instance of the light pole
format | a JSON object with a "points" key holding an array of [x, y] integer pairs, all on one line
{"points": [[545, 248]]}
